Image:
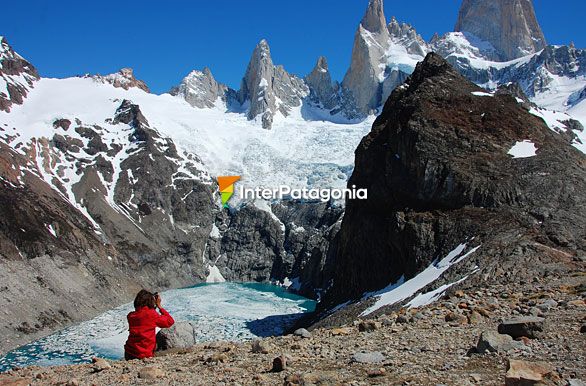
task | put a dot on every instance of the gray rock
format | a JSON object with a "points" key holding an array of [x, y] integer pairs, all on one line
{"points": [[200, 89], [180, 335], [322, 91], [264, 84], [530, 327], [368, 357], [576, 382], [373, 74], [509, 25], [547, 305], [302, 332], [490, 341]]}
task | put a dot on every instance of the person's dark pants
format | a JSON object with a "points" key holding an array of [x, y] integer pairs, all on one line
{"points": [[129, 357]]}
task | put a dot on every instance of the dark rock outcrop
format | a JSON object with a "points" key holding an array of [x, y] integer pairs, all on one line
{"points": [[17, 74], [438, 173]]}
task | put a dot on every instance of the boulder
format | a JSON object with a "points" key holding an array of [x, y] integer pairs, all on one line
{"points": [[490, 341], [530, 327], [302, 332], [279, 364], [368, 326], [523, 373], [180, 335]]}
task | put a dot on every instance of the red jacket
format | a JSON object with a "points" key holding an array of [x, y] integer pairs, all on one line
{"points": [[141, 341]]}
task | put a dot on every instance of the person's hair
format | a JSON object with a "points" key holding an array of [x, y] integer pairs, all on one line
{"points": [[144, 299]]}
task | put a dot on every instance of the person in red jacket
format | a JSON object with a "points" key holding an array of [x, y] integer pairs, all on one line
{"points": [[142, 322]]}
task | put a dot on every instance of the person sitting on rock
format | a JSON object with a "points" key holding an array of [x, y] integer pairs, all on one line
{"points": [[142, 323]]}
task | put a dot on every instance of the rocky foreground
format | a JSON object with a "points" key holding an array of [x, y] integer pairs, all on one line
{"points": [[524, 334]]}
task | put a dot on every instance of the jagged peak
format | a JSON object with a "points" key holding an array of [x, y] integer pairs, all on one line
{"points": [[374, 19], [130, 114], [124, 78], [321, 65]]}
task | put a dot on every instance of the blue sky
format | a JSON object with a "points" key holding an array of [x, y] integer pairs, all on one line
{"points": [[163, 42]]}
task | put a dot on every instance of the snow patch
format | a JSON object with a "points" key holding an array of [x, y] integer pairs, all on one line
{"points": [[524, 149], [214, 276], [401, 290]]}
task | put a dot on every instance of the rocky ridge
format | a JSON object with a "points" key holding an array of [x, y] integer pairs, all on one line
{"points": [[124, 79], [17, 76]]}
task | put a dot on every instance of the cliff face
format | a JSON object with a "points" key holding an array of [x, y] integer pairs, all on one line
{"points": [[438, 172], [509, 25]]}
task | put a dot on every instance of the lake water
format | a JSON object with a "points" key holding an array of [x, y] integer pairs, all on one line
{"points": [[223, 311]]}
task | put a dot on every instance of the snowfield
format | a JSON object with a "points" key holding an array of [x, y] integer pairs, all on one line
{"points": [[297, 152]]}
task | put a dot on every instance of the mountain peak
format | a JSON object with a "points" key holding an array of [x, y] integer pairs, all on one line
{"points": [[17, 74], [124, 78], [374, 19], [269, 88], [509, 25], [200, 89]]}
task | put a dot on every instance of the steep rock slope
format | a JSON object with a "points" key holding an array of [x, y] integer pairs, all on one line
{"points": [[268, 88], [200, 89], [17, 76], [442, 182], [509, 26]]}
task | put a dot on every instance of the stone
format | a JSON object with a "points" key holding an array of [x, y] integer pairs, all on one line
{"points": [[151, 372], [341, 331], [490, 341], [279, 364], [217, 358], [180, 335], [368, 357], [376, 372], [402, 319], [100, 365], [302, 332], [531, 327], [72, 382], [576, 382], [474, 317], [259, 347], [523, 373], [367, 326], [454, 317], [547, 305]]}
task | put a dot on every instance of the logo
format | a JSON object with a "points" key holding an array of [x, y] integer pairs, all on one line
{"points": [[226, 184]]}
